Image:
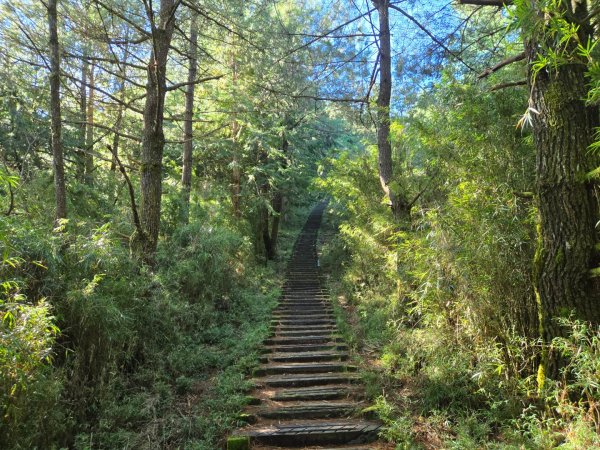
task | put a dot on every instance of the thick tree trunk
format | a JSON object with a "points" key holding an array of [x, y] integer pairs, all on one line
{"points": [[563, 129], [56, 127], [186, 172], [153, 140], [398, 204]]}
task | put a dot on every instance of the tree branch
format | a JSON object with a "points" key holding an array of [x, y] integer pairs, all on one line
{"points": [[198, 81], [104, 127], [498, 3], [433, 38], [324, 35], [507, 85], [501, 64], [134, 210]]}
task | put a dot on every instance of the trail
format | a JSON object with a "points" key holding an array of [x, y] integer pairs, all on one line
{"points": [[307, 394]]}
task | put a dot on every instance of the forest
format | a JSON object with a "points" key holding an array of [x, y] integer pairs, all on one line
{"points": [[159, 160]]}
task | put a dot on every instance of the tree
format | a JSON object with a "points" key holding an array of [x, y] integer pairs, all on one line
{"points": [[563, 129], [56, 125], [188, 144], [153, 139], [400, 207]]}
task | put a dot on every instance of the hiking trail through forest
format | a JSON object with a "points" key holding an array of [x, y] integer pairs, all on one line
{"points": [[307, 394]]}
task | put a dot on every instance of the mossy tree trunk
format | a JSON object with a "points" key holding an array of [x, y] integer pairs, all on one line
{"points": [[563, 129]]}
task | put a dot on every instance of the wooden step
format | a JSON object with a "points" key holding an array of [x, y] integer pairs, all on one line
{"points": [[317, 379], [283, 348], [314, 433], [302, 340], [302, 327], [300, 317], [303, 321], [309, 410], [302, 311], [303, 368], [312, 330], [312, 393], [306, 356]]}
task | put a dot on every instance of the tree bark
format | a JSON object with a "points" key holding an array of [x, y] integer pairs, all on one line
{"points": [[153, 140], [118, 123], [80, 157], [236, 172], [186, 172], [89, 138], [55, 113], [563, 129], [277, 205], [399, 206]]}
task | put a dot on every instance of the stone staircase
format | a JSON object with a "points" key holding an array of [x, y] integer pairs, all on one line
{"points": [[307, 394]]}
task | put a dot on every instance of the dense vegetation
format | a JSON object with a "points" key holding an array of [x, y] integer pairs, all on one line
{"points": [[159, 159]]}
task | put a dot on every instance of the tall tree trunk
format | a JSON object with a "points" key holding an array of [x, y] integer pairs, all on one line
{"points": [[80, 157], [398, 204], [153, 140], [262, 181], [118, 123], [89, 138], [117, 137], [277, 204], [186, 172], [56, 127], [563, 129], [236, 172]]}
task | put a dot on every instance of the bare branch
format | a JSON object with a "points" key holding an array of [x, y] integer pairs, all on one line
{"points": [[498, 3], [433, 38], [97, 58], [204, 14], [104, 127], [134, 210], [507, 85], [326, 34], [311, 97], [501, 64], [123, 17], [198, 81]]}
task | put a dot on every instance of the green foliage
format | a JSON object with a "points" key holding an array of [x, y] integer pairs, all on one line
{"points": [[238, 443], [134, 345], [445, 308]]}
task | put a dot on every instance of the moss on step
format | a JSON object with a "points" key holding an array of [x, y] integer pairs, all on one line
{"points": [[250, 400], [246, 418], [238, 443]]}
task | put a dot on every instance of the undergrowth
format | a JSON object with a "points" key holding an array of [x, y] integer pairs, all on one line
{"points": [[434, 385], [100, 353]]}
